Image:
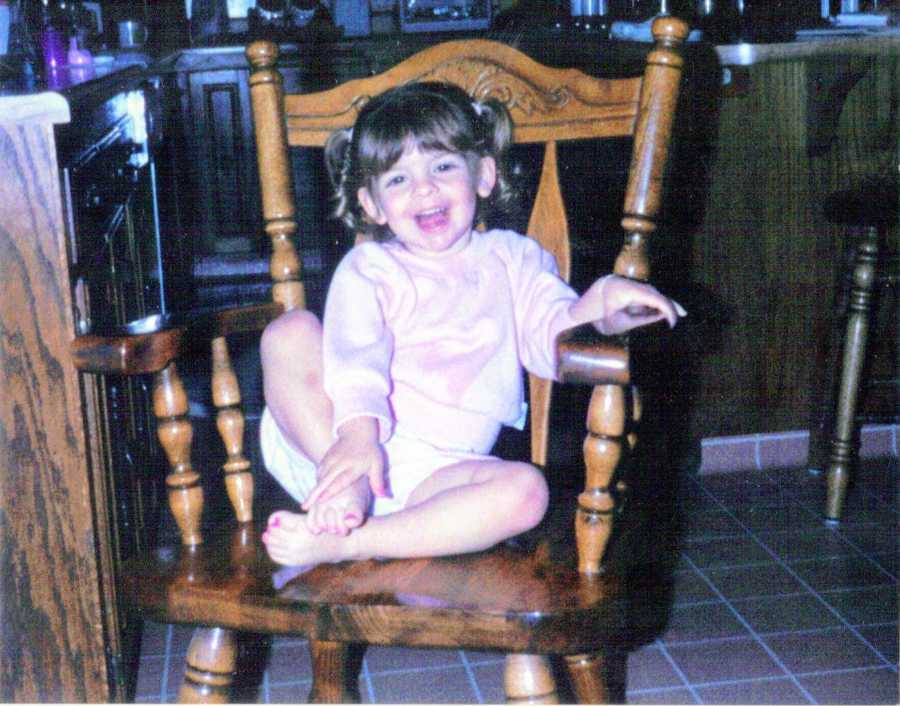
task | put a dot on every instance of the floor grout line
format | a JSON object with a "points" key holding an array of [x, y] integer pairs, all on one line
{"points": [[753, 680], [367, 679], [473, 682], [762, 643], [164, 681], [847, 540], [677, 669], [267, 696], [770, 633], [806, 585]]}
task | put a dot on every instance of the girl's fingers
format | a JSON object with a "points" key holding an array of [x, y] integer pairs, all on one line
{"points": [[318, 490], [376, 481], [329, 486]]}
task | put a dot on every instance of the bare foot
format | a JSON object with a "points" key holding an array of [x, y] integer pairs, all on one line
{"points": [[342, 513], [289, 541]]}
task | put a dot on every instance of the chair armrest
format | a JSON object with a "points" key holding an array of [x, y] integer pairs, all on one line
{"points": [[585, 356], [225, 322], [127, 354], [137, 349]]}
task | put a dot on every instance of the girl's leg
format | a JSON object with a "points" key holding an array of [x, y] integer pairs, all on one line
{"points": [[465, 507], [291, 356]]}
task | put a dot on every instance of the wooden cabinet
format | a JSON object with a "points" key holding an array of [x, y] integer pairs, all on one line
{"points": [[225, 214], [79, 466]]}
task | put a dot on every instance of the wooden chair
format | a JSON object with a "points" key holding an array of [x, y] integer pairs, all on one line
{"points": [[526, 603]]}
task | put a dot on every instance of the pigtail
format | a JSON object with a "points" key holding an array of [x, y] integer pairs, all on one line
{"points": [[496, 128], [339, 165]]}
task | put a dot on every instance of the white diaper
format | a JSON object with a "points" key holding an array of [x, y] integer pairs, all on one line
{"points": [[409, 462]]}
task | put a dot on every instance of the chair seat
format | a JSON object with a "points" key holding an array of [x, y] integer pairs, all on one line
{"points": [[506, 598]]}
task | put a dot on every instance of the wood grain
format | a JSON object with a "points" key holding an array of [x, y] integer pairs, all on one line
{"points": [[53, 643], [763, 253], [503, 599]]}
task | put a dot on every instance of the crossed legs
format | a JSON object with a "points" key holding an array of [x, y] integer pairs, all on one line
{"points": [[465, 507]]}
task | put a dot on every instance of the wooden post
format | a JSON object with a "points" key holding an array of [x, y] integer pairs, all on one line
{"points": [[528, 679], [606, 420], [211, 661], [859, 307], [334, 682], [170, 405], [226, 396], [279, 213]]}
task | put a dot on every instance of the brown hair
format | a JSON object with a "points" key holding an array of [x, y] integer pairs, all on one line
{"points": [[437, 116]]}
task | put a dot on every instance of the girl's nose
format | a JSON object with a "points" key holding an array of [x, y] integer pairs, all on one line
{"points": [[424, 185]]}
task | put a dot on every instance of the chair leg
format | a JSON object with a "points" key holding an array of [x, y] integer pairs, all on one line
{"points": [[528, 679], [334, 679], [211, 661], [859, 307], [587, 675]]}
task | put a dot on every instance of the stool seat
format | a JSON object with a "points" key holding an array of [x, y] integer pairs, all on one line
{"points": [[872, 203]]}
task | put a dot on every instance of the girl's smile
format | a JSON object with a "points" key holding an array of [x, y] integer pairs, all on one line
{"points": [[428, 198]]}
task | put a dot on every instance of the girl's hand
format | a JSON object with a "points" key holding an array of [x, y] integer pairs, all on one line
{"points": [[355, 454], [617, 304]]}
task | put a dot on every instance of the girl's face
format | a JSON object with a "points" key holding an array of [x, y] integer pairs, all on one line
{"points": [[428, 198]]}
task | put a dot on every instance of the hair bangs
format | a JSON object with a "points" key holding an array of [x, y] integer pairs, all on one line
{"points": [[434, 124]]}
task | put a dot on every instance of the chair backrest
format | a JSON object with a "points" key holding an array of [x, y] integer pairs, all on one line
{"points": [[547, 106]]}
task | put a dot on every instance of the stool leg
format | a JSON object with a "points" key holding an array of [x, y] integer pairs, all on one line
{"points": [[859, 307]]}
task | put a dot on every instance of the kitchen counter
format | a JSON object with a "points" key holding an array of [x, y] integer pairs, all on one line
{"points": [[839, 41]]}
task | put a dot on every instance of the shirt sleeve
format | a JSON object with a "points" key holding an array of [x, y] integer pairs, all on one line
{"points": [[541, 303], [357, 344]]}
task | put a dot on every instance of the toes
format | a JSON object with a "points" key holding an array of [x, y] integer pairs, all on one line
{"points": [[285, 520], [331, 521]]}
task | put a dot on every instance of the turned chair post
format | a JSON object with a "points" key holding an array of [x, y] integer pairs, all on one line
{"points": [[606, 417], [273, 158], [176, 433], [226, 394], [211, 660], [608, 427]]}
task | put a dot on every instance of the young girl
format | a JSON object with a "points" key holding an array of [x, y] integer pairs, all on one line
{"points": [[380, 421]]}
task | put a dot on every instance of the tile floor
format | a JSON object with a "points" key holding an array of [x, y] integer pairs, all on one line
{"points": [[768, 606]]}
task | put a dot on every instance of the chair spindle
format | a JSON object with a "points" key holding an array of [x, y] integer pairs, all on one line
{"points": [[226, 394], [175, 431]]}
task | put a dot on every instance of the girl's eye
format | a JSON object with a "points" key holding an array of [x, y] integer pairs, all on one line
{"points": [[446, 166], [395, 180]]}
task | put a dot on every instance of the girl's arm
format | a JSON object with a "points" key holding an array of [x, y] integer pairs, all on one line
{"points": [[357, 351], [617, 304]]}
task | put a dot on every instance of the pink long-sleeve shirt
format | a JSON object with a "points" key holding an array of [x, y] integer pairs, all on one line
{"points": [[434, 347]]}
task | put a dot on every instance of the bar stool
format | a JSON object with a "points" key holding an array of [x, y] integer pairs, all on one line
{"points": [[870, 213]]}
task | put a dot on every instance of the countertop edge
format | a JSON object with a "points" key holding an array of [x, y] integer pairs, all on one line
{"points": [[45, 107], [887, 41]]}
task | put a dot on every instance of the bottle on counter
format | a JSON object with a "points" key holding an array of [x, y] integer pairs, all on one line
{"points": [[591, 15], [54, 35]]}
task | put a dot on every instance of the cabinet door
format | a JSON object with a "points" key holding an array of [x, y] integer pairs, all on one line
{"points": [[225, 202]]}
